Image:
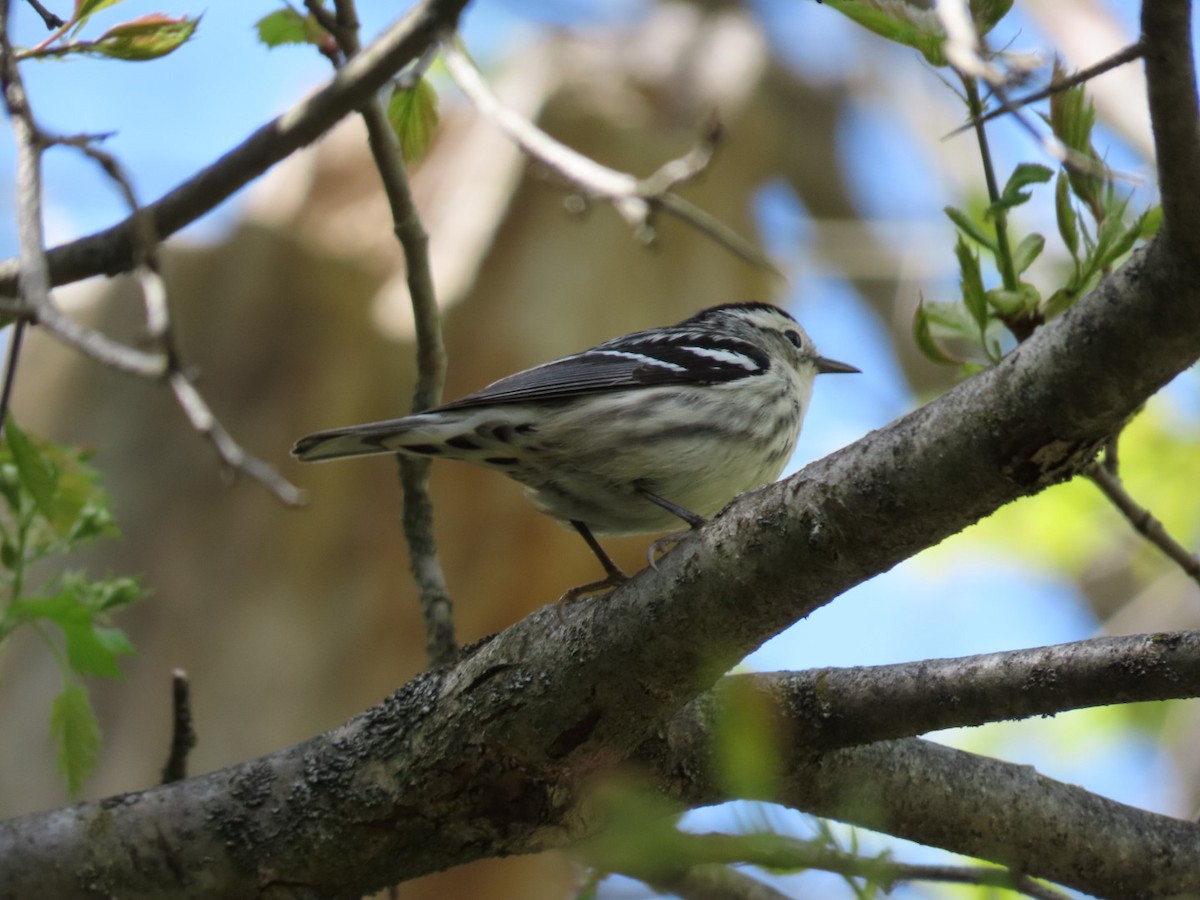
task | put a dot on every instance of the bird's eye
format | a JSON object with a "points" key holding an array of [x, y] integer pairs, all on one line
{"points": [[794, 337]]}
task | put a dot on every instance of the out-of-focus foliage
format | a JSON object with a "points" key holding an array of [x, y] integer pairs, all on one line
{"points": [[413, 115], [412, 107], [137, 40], [52, 504], [1094, 224], [1070, 526], [921, 29]]}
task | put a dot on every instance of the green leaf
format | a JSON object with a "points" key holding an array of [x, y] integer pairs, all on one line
{"points": [[92, 649], [149, 37], [970, 228], [10, 480], [85, 9], [91, 521], [1026, 174], [899, 22], [1072, 114], [926, 343], [987, 13], [74, 727], [1005, 203], [1072, 117], [1068, 222], [413, 115], [1010, 303], [972, 283], [1027, 251], [1115, 236], [103, 596], [1059, 302], [38, 475], [288, 26], [1023, 176], [746, 740], [1149, 222], [10, 556]]}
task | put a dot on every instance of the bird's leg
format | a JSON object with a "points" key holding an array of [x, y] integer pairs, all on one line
{"points": [[613, 577], [667, 541]]}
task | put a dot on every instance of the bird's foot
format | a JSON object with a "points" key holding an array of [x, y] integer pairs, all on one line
{"points": [[608, 583], [667, 543]]}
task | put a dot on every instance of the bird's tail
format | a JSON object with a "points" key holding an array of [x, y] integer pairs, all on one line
{"points": [[392, 436]]}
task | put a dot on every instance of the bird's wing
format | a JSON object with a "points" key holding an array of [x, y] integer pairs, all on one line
{"points": [[644, 359]]}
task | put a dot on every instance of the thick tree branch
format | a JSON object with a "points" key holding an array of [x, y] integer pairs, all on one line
{"points": [[963, 802], [342, 802], [831, 708], [1171, 81], [112, 250]]}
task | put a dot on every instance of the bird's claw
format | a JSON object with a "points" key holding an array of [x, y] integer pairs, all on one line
{"points": [[608, 583], [665, 545]]}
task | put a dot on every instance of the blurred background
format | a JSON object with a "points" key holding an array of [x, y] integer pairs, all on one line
{"points": [[290, 304]]}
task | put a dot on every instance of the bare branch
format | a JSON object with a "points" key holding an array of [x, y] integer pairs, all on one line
{"points": [[15, 340], [636, 200], [1120, 58], [441, 646], [51, 20], [1142, 520], [230, 451], [712, 882], [34, 279], [843, 707], [183, 734], [962, 802], [1171, 80], [711, 879]]}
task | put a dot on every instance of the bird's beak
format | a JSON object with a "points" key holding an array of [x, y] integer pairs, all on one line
{"points": [[831, 366]]}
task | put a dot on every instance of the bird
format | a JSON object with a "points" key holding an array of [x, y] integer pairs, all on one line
{"points": [[632, 436]]}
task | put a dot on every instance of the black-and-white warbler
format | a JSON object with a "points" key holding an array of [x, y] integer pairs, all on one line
{"points": [[632, 435]]}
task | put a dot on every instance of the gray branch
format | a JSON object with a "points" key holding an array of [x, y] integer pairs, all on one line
{"points": [[441, 645]]}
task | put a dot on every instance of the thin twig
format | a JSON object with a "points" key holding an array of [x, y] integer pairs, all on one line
{"points": [[183, 732], [34, 277], [1121, 57], [15, 341], [158, 328], [967, 54], [35, 303], [230, 451], [717, 882], [52, 21], [165, 363], [99, 347], [635, 200], [777, 851], [441, 644], [1142, 520]]}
